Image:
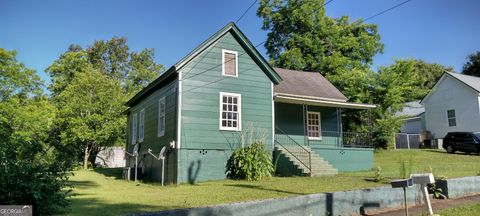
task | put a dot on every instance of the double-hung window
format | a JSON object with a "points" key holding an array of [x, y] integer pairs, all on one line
{"points": [[230, 111], [141, 128], [161, 117], [134, 128], [314, 126], [229, 63], [452, 120]]}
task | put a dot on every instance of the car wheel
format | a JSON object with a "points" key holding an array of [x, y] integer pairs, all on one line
{"points": [[450, 149]]}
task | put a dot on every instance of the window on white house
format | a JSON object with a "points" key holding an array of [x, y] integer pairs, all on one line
{"points": [[314, 125], [229, 63], [452, 121], [134, 129], [230, 111], [161, 117], [141, 128]]}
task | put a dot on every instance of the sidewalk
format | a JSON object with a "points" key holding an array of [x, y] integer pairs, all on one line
{"points": [[436, 205]]}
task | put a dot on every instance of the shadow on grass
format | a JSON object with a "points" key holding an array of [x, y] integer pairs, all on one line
{"points": [[256, 187], [456, 153], [110, 172], [94, 206], [83, 184]]}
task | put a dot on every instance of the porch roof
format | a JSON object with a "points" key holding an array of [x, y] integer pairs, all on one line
{"points": [[309, 84], [316, 101]]}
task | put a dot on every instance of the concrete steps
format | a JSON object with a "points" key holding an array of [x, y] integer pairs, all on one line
{"points": [[320, 167]]}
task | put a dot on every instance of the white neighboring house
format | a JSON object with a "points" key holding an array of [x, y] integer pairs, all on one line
{"points": [[415, 120], [111, 157], [453, 105]]}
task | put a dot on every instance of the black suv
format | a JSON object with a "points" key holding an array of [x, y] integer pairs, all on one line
{"points": [[462, 141]]}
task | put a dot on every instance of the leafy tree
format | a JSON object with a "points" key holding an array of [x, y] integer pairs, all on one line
{"points": [[15, 78], [31, 171], [395, 85], [63, 70], [114, 58], [472, 66], [90, 86], [302, 37], [91, 107]]}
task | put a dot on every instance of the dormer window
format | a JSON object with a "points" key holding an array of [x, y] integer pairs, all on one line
{"points": [[229, 63]]}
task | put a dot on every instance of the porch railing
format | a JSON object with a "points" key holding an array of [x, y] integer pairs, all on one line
{"points": [[298, 151], [343, 139]]}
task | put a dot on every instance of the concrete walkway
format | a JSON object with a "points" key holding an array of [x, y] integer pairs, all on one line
{"points": [[436, 205]]}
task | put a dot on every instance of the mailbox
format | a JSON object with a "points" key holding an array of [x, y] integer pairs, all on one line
{"points": [[422, 178], [402, 183]]}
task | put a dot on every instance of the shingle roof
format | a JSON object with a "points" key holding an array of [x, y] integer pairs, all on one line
{"points": [[472, 81], [310, 84], [412, 109]]}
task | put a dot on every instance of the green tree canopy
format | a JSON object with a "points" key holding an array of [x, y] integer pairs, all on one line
{"points": [[89, 87], [16, 79], [472, 66], [31, 170], [91, 107], [302, 37]]}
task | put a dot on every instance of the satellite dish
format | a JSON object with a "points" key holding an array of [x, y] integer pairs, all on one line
{"points": [[162, 153], [135, 149]]}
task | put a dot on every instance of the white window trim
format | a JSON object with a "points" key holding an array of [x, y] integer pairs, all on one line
{"points": [[239, 124], [134, 128], [448, 118], [141, 126], [161, 132], [223, 62], [319, 126]]}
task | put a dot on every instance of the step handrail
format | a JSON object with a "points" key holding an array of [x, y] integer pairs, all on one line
{"points": [[296, 144]]}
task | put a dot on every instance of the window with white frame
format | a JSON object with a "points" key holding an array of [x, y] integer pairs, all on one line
{"points": [[229, 63], [161, 117], [134, 129], [452, 120], [314, 125], [141, 127], [230, 111]]}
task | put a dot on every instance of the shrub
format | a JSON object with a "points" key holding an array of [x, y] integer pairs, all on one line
{"points": [[250, 163], [378, 174]]}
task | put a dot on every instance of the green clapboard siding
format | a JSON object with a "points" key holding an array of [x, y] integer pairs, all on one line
{"points": [[152, 167], [204, 148], [289, 118]]}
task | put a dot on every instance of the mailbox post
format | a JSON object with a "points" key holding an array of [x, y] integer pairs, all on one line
{"points": [[403, 183], [423, 179]]}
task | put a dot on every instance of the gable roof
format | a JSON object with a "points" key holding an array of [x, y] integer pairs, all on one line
{"points": [[471, 82], [309, 84], [412, 109], [242, 40]]}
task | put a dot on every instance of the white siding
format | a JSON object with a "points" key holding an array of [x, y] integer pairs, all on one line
{"points": [[452, 94], [412, 126]]}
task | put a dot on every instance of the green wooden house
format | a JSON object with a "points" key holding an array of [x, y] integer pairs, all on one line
{"points": [[223, 95]]}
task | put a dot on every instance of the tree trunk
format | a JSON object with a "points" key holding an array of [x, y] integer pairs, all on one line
{"points": [[85, 157]]}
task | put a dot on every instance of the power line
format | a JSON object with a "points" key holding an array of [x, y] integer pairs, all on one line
{"points": [[185, 77], [243, 14], [238, 20], [389, 9], [326, 3]]}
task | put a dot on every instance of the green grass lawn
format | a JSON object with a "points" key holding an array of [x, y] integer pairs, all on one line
{"points": [[102, 192], [462, 210]]}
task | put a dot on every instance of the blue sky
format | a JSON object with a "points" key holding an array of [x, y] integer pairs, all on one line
{"points": [[441, 31]]}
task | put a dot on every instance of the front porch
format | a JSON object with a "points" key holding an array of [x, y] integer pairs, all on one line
{"points": [[304, 131]]}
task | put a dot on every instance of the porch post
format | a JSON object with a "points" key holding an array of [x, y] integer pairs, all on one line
{"points": [[340, 126], [370, 128], [304, 125]]}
